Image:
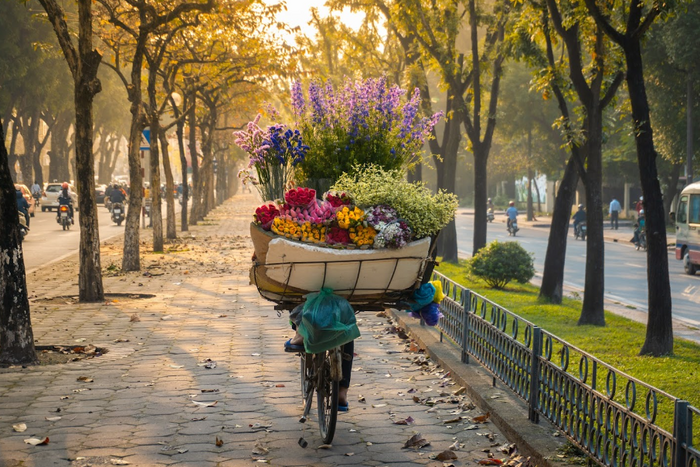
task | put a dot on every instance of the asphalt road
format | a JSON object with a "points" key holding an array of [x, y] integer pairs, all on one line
{"points": [[625, 268], [47, 242]]}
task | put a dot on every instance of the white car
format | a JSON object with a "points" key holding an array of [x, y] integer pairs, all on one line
{"points": [[49, 200]]}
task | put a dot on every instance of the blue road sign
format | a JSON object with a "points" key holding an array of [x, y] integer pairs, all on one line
{"points": [[145, 140]]}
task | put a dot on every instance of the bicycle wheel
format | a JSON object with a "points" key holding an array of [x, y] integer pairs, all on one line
{"points": [[327, 397]]}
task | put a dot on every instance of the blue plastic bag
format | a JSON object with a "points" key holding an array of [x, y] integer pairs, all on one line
{"points": [[327, 321]]}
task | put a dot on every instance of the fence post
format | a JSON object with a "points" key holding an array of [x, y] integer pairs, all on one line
{"points": [[533, 415], [681, 433], [466, 302]]}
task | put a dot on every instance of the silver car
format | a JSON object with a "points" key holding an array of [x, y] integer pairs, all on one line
{"points": [[49, 200]]}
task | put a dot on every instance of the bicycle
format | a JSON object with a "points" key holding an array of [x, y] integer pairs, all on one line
{"points": [[322, 372]]}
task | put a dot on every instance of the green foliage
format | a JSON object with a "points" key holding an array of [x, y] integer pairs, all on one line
{"points": [[426, 213], [498, 263]]}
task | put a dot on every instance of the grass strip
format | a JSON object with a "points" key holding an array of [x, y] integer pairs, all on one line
{"points": [[617, 343]]}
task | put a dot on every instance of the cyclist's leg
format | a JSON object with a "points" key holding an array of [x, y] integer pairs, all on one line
{"points": [[348, 351]]}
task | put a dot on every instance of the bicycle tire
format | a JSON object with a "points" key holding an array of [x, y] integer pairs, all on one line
{"points": [[326, 398]]}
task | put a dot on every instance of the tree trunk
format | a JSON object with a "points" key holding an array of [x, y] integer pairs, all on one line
{"points": [[131, 259], [592, 311], [12, 156], [183, 163], [539, 202], [552, 288], [156, 211], [58, 155], [170, 232], [221, 175], [446, 169], [90, 287], [659, 335], [480, 198], [16, 336], [196, 182], [530, 215]]}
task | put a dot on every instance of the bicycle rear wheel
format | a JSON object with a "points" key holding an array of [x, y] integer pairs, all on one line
{"points": [[327, 396]]}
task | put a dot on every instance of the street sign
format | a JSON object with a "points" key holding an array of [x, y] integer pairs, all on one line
{"points": [[145, 140]]}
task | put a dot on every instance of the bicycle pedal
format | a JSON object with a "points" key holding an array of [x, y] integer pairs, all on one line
{"points": [[303, 443], [302, 420]]}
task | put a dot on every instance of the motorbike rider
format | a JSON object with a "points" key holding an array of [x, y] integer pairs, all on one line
{"points": [[638, 227], [36, 190], [489, 205], [512, 213], [579, 216], [117, 195], [65, 198], [22, 205]]}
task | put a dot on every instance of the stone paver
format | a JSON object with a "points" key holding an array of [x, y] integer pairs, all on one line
{"points": [[140, 406]]}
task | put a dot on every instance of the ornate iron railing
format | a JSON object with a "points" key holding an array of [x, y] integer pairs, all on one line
{"points": [[616, 419]]}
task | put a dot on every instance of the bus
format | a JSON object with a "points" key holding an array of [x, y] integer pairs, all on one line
{"points": [[687, 220]]}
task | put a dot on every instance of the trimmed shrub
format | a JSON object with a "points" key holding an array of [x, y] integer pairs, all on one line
{"points": [[498, 263]]}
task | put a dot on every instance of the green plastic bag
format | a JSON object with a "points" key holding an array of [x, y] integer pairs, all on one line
{"points": [[327, 321]]}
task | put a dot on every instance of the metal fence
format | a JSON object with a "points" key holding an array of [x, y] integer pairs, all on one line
{"points": [[616, 419]]}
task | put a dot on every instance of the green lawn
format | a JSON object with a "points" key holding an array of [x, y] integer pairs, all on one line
{"points": [[618, 343]]}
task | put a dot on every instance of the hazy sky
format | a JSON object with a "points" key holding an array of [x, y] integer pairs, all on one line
{"points": [[298, 14]]}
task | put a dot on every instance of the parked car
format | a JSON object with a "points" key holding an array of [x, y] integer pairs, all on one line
{"points": [[28, 196], [100, 193], [50, 199]]}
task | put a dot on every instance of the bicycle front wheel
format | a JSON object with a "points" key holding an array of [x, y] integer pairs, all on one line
{"points": [[327, 397]]}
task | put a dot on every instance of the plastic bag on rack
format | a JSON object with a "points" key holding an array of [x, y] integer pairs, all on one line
{"points": [[327, 321]]}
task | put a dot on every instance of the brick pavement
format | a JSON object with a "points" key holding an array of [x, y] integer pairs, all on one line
{"points": [[140, 405]]}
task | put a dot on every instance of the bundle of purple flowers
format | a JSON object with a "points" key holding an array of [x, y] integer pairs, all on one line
{"points": [[360, 123], [274, 154]]}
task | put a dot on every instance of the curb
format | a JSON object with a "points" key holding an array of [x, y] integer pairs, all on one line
{"points": [[508, 412]]}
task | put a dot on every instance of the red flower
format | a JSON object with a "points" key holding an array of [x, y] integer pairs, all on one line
{"points": [[264, 215], [300, 197], [342, 199], [337, 235]]}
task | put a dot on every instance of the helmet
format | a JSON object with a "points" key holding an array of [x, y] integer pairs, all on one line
{"points": [[641, 212], [64, 185], [489, 200], [512, 203], [641, 198], [580, 206], [116, 186]]}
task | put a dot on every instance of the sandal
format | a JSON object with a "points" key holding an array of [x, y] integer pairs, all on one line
{"points": [[343, 407], [289, 347]]}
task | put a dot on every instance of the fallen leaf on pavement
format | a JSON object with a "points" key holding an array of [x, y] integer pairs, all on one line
{"points": [[378, 406], [405, 421], [460, 391], [53, 419], [205, 404], [490, 461], [118, 462], [177, 367], [280, 385], [481, 418], [471, 427], [452, 421], [416, 441], [20, 427], [447, 455], [349, 454], [37, 441], [325, 446], [507, 448], [260, 449], [219, 442], [456, 446], [134, 318], [85, 379], [209, 390]]}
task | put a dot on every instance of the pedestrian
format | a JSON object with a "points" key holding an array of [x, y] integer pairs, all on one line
{"points": [[615, 209]]}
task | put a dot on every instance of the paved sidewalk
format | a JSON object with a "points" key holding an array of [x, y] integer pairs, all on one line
{"points": [[194, 355]]}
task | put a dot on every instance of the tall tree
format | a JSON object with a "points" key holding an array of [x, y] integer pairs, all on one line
{"points": [[16, 336], [626, 23], [83, 63]]}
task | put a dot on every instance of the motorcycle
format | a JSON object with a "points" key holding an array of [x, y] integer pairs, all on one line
{"points": [[642, 243], [118, 213], [489, 215], [108, 204], [580, 231], [23, 229], [513, 228], [37, 201], [64, 217]]}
